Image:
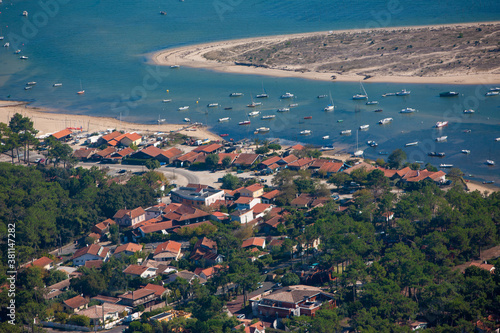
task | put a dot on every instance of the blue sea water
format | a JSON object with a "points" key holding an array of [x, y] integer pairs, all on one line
{"points": [[103, 47]]}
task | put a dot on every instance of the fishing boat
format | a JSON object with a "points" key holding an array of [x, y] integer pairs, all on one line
{"points": [[469, 111], [489, 182], [497, 139], [246, 122], [183, 108], [407, 110], [321, 96], [385, 121], [31, 83], [57, 85], [28, 87], [372, 103], [17, 52], [403, 92], [305, 132], [254, 104], [163, 120], [409, 144], [187, 120], [435, 154], [254, 113], [326, 137], [236, 94], [271, 116], [308, 117], [360, 96], [442, 138], [23, 57], [283, 110], [223, 119], [490, 162], [446, 165], [492, 93], [293, 105], [378, 110], [167, 100], [340, 120], [262, 130], [213, 105], [388, 94], [448, 94], [465, 151], [372, 143], [440, 124], [224, 135], [345, 132], [1, 37], [364, 127], [286, 95]]}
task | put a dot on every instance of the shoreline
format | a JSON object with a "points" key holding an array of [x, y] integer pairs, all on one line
{"points": [[193, 56], [48, 121]]}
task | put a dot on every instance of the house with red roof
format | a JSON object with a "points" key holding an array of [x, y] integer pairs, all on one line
{"points": [[261, 209], [75, 304], [183, 215], [268, 197], [300, 164], [254, 242], [129, 217], [43, 262], [142, 296], [129, 138], [213, 148], [196, 196], [272, 223], [360, 165], [267, 162], [187, 159], [254, 191], [248, 327], [140, 271], [159, 290], [167, 251], [245, 160], [102, 228], [152, 152], [84, 154], [219, 216], [104, 154], [205, 249], [246, 203], [127, 249], [232, 157], [485, 266], [90, 252], [331, 167], [242, 216], [105, 139], [63, 135]]}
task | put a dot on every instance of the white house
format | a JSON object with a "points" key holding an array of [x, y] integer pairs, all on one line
{"points": [[242, 216]]}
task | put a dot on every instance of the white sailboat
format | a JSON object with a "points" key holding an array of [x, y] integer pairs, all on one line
{"points": [[360, 96], [81, 91], [357, 152], [330, 107]]}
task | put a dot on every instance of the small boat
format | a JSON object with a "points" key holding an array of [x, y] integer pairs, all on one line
{"points": [[495, 89], [162, 120], [388, 94], [262, 130], [435, 154], [446, 165], [81, 92], [57, 85], [308, 117], [345, 132], [262, 96], [23, 57], [340, 120], [213, 105], [1, 37], [440, 124], [246, 122], [167, 100], [490, 162], [183, 108], [32, 83], [254, 104], [325, 148], [283, 110], [271, 116], [442, 138], [385, 121], [378, 110], [286, 95], [403, 92], [372, 103], [293, 105], [228, 108], [497, 139], [465, 151], [28, 87], [254, 113], [17, 52], [329, 108], [221, 120], [175, 66], [364, 127], [358, 153], [467, 131], [492, 93], [383, 153], [187, 120], [163, 13], [6, 45], [407, 110], [469, 111], [489, 182], [372, 143], [235, 94], [326, 137], [409, 144], [25, 13], [359, 97], [305, 132], [448, 94], [223, 135], [322, 96]]}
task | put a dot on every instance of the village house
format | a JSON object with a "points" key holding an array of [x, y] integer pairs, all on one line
{"points": [[245, 203], [129, 217], [84, 154], [269, 197], [187, 159], [242, 216], [108, 137], [248, 327], [300, 164], [186, 275], [213, 148], [155, 211], [159, 290], [105, 313], [102, 228], [95, 264], [57, 289], [140, 271], [121, 154], [168, 251], [103, 155], [488, 267], [206, 249], [138, 297], [252, 191], [127, 249], [43, 262], [232, 157], [64, 135], [254, 242], [90, 252], [152, 152], [196, 196], [245, 160], [75, 304]]}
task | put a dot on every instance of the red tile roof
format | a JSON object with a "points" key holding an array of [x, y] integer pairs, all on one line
{"points": [[172, 152], [302, 162], [42, 262], [124, 152], [132, 136], [137, 294], [189, 157], [129, 247], [93, 249], [94, 263], [83, 152], [275, 221], [246, 159], [159, 290], [244, 200], [271, 195], [271, 160], [208, 149], [135, 270], [168, 246], [253, 241], [230, 155], [76, 302], [254, 187], [105, 152], [290, 158], [132, 213], [62, 134], [193, 225], [366, 166], [297, 147], [147, 229], [331, 167], [260, 207], [111, 136], [318, 162], [206, 242]]}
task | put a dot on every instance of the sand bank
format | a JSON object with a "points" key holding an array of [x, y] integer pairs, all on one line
{"points": [[474, 185], [47, 122], [313, 68]]}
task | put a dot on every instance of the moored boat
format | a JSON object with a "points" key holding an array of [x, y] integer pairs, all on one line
{"points": [[175, 66], [442, 138], [358, 97], [183, 108], [57, 85], [235, 94], [228, 108], [25, 13], [378, 110], [254, 104], [213, 105], [262, 130], [364, 127], [23, 57], [31, 83], [305, 132], [469, 111], [28, 87], [224, 135], [329, 108], [403, 92], [385, 121], [326, 137], [388, 94], [435, 154], [262, 95], [283, 110], [490, 162], [448, 94], [246, 122], [409, 144], [372, 103], [446, 165], [6, 44], [223, 119], [187, 120], [440, 124], [308, 117], [345, 132], [293, 105], [286, 95], [492, 93], [465, 151], [17, 52], [167, 101], [372, 143], [271, 116], [322, 96], [254, 113], [325, 148], [407, 110]]}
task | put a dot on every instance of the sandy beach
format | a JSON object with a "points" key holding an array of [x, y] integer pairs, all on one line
{"points": [[47, 122], [230, 56]]}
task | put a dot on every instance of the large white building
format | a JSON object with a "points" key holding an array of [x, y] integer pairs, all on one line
{"points": [[197, 196]]}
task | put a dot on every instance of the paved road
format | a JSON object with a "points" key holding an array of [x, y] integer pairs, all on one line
{"points": [[190, 176]]}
